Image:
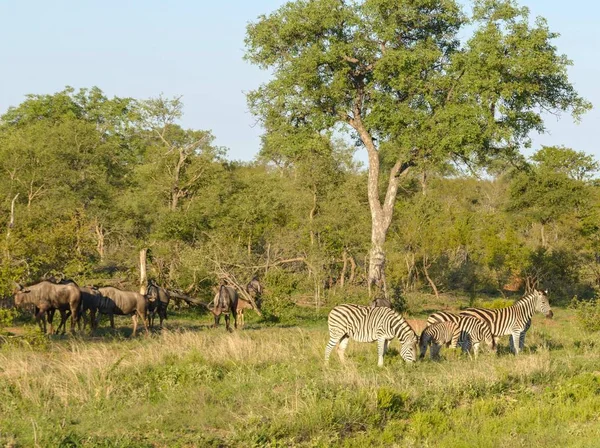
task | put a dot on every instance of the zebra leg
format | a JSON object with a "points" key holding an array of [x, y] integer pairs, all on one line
{"points": [[522, 335], [516, 335], [381, 343], [332, 343], [465, 345], [435, 351], [342, 348], [385, 346], [475, 349]]}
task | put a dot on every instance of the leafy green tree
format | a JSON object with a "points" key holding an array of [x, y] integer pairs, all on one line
{"points": [[395, 75]]}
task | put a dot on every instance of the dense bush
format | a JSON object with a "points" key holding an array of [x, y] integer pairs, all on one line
{"points": [[588, 312]]}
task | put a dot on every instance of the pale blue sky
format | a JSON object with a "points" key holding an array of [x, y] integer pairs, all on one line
{"points": [[194, 48]]}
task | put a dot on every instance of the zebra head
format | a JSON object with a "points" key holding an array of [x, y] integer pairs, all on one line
{"points": [[542, 303], [408, 351]]}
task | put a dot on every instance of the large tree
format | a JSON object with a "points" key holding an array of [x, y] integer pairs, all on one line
{"points": [[397, 77]]}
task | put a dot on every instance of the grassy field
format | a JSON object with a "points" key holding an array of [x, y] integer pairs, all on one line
{"points": [[267, 386]]}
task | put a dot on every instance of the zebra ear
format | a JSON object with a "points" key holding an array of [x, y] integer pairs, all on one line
{"points": [[545, 291]]}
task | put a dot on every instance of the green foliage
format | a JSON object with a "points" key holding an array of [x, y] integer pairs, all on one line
{"points": [[7, 317], [588, 312]]}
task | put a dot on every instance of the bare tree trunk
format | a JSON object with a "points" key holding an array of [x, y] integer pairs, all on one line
{"points": [[99, 229], [377, 260], [344, 268], [431, 283], [381, 211], [143, 273], [268, 258], [311, 216], [543, 236], [352, 270], [11, 224], [410, 268]]}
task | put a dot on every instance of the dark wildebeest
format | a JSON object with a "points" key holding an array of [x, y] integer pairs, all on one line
{"points": [[127, 303], [381, 301], [225, 302], [253, 288], [158, 301], [93, 301], [46, 296]]}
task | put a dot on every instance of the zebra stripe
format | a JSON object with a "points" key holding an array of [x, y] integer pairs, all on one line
{"points": [[366, 324], [440, 333], [514, 320], [442, 316], [473, 332]]}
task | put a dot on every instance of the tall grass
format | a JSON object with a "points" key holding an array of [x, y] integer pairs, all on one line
{"points": [[269, 387]]}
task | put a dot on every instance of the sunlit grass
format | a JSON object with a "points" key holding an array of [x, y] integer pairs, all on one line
{"points": [[196, 386]]}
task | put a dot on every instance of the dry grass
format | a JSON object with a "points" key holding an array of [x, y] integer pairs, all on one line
{"points": [[263, 386]]}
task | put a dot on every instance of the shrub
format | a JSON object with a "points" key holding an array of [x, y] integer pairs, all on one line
{"points": [[7, 316], [588, 312]]}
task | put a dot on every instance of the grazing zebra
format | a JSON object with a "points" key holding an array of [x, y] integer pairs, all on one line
{"points": [[442, 316], [473, 332], [366, 324], [440, 333], [514, 320]]}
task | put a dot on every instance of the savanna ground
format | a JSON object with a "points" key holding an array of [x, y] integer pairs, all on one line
{"points": [[267, 386]]}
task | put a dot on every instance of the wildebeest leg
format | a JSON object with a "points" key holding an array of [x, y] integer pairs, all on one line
{"points": [[228, 328], [217, 319], [234, 313], [42, 322], [241, 316], [41, 314], [162, 313], [145, 321], [92, 320], [134, 318], [76, 308], [64, 315], [151, 318]]}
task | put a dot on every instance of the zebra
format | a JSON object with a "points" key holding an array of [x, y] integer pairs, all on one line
{"points": [[366, 324], [440, 333], [514, 320], [473, 332], [442, 316]]}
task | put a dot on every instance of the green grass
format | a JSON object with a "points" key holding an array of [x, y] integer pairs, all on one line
{"points": [[267, 386]]}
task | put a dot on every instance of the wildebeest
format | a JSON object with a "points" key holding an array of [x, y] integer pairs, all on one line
{"points": [[418, 325], [93, 301], [381, 301], [46, 296], [158, 301], [254, 288], [127, 303], [225, 302]]}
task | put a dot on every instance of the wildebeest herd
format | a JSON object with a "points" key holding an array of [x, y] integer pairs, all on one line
{"points": [[85, 305]]}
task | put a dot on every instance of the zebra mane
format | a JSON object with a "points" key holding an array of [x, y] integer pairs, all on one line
{"points": [[529, 296]]}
